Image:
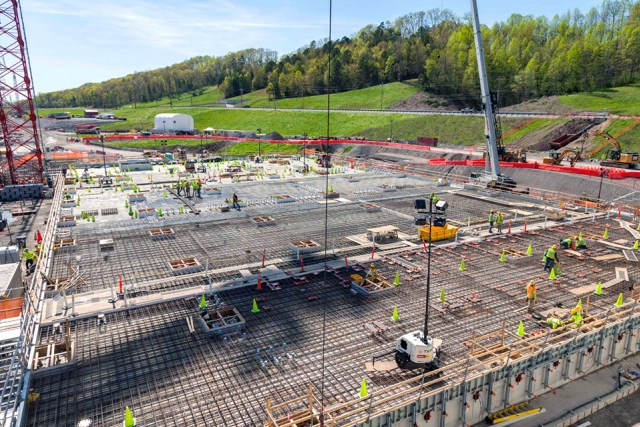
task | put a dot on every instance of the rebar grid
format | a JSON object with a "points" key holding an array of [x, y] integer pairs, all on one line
{"points": [[145, 358]]}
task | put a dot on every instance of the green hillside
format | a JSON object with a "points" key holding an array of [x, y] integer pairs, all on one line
{"points": [[618, 100]]}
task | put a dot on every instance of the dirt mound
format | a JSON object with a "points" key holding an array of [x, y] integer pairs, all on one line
{"points": [[274, 136], [548, 104], [540, 139]]}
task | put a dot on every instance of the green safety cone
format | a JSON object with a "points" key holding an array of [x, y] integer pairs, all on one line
{"points": [[580, 235], [606, 233], [638, 227], [165, 194], [442, 298], [203, 302], [135, 214], [159, 212], [255, 308], [88, 189], [462, 266], [598, 290], [395, 317], [181, 209], [620, 300], [363, 389], [331, 189], [126, 204], [503, 257], [78, 202], [397, 280], [129, 421], [93, 218], [552, 275], [520, 330], [557, 269], [635, 245], [529, 250], [130, 211]]}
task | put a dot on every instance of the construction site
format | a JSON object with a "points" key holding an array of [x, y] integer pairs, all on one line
{"points": [[394, 290]]}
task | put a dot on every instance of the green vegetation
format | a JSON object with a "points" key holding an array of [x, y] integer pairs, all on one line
{"points": [[247, 148], [630, 141], [360, 99], [619, 125], [456, 130], [533, 57], [532, 126], [618, 100]]}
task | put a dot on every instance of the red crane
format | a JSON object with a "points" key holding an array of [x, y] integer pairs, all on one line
{"points": [[17, 110]]}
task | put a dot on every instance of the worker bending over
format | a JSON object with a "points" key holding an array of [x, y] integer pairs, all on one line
{"points": [[492, 219], [532, 294], [566, 243], [576, 315], [554, 322], [550, 258], [580, 243]]}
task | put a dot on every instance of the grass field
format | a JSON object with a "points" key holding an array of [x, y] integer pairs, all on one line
{"points": [[618, 100], [361, 99], [456, 130]]}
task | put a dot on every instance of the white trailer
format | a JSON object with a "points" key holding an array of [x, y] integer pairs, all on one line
{"points": [[172, 123]]}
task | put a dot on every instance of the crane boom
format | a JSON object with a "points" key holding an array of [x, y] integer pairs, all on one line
{"points": [[489, 128]]}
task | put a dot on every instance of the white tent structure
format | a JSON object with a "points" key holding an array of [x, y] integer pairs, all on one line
{"points": [[170, 123]]}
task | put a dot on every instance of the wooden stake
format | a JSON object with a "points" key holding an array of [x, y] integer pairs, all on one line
{"points": [[269, 412], [310, 399], [473, 342], [586, 310]]}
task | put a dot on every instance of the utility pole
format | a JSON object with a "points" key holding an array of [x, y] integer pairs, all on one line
{"points": [[381, 93]]}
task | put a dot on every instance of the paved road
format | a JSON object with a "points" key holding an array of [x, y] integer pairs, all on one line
{"points": [[60, 139]]}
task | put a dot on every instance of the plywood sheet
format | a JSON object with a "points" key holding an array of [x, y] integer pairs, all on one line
{"points": [[608, 257], [380, 366]]}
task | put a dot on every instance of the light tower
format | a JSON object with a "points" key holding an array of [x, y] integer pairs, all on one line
{"points": [[17, 110]]}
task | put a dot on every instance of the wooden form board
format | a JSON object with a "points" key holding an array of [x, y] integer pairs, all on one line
{"points": [[621, 276], [607, 257]]}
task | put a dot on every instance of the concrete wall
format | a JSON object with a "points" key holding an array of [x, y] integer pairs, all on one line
{"points": [[12, 193], [498, 389]]}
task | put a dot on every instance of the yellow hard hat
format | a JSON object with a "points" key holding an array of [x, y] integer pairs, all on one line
{"points": [[491, 211], [554, 247], [575, 237]]}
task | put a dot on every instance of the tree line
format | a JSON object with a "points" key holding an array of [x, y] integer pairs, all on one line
{"points": [[527, 57]]}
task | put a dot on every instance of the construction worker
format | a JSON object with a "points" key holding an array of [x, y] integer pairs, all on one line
{"points": [[30, 258], [198, 187], [492, 219], [550, 258], [434, 198], [532, 294], [566, 243], [554, 322], [235, 202], [179, 185], [576, 318], [580, 243], [499, 221]]}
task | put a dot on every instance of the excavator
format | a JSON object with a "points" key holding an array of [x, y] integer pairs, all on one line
{"points": [[509, 156], [556, 157], [615, 157]]}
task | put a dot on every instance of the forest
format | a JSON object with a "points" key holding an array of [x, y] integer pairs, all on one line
{"points": [[527, 57]]}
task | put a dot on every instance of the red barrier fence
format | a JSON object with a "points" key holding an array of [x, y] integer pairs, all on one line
{"points": [[613, 173]]}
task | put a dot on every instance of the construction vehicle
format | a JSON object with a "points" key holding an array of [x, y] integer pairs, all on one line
{"points": [[87, 129], [519, 156], [615, 157], [556, 157], [493, 130], [324, 160], [181, 155]]}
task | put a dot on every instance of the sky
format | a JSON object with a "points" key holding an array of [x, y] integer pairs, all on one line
{"points": [[72, 42]]}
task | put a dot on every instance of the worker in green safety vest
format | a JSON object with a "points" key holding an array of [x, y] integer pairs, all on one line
{"points": [[492, 219], [580, 243], [566, 243], [499, 221], [434, 198], [30, 258], [550, 258], [554, 322]]}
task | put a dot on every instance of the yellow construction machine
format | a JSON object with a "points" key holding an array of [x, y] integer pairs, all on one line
{"points": [[519, 156], [556, 157], [615, 157]]}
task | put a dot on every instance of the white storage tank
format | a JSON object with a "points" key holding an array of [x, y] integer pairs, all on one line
{"points": [[171, 123]]}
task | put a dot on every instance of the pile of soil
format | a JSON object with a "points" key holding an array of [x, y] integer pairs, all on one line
{"points": [[274, 136]]}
